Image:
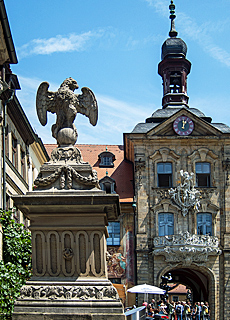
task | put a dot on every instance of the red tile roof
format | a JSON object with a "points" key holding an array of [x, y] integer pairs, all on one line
{"points": [[122, 172], [180, 289]]}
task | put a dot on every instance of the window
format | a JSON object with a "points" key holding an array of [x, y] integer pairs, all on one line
{"points": [[175, 82], [23, 166], [203, 171], [114, 234], [175, 298], [107, 184], [166, 224], [164, 174], [204, 223], [14, 151], [106, 159]]}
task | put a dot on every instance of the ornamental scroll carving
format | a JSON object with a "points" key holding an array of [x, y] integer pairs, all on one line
{"points": [[67, 174], [68, 293], [185, 195], [186, 248]]}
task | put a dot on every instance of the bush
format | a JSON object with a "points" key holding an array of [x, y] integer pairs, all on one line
{"points": [[15, 268]]}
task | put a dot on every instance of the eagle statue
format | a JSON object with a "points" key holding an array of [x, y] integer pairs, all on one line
{"points": [[66, 104]]}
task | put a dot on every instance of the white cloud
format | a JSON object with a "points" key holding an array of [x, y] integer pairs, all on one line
{"points": [[161, 6], [59, 43]]}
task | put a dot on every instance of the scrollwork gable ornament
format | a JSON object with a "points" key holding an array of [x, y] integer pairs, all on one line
{"points": [[185, 196]]}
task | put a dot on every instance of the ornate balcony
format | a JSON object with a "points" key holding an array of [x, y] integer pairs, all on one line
{"points": [[186, 248]]}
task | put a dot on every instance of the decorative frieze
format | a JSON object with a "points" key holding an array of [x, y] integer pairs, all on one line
{"points": [[77, 293], [186, 248]]}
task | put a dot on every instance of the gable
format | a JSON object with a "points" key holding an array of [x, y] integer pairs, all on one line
{"points": [[184, 123]]}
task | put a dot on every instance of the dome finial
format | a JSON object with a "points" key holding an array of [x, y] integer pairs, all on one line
{"points": [[172, 32]]}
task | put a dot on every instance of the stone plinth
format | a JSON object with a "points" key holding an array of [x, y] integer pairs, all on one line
{"points": [[69, 256]]}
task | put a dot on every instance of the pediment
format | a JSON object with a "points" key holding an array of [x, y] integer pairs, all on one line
{"points": [[197, 126]]}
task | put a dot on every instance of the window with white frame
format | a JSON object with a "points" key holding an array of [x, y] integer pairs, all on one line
{"points": [[164, 174], [114, 234], [203, 174], [165, 224], [204, 223]]}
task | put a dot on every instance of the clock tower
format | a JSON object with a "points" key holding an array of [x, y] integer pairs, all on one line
{"points": [[174, 68]]}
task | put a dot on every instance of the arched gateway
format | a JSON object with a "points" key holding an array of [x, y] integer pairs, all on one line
{"points": [[199, 279]]}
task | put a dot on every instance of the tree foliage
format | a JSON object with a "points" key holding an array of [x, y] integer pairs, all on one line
{"points": [[15, 268]]}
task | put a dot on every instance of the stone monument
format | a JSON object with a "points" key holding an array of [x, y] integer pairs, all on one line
{"points": [[68, 216]]}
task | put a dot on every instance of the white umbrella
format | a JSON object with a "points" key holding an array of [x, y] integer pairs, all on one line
{"points": [[146, 288]]}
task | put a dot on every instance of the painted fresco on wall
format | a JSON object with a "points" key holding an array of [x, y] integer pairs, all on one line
{"points": [[116, 263]]}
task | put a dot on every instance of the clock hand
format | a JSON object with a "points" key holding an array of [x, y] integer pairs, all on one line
{"points": [[184, 123]]}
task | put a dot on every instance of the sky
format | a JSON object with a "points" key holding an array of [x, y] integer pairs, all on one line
{"points": [[114, 47]]}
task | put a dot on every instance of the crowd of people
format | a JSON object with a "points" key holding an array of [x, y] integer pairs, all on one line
{"points": [[181, 310]]}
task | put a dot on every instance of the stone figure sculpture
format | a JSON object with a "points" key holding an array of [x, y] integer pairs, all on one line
{"points": [[185, 195], [66, 170], [66, 104]]}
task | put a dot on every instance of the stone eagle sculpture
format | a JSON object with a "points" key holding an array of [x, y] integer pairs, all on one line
{"points": [[66, 104]]}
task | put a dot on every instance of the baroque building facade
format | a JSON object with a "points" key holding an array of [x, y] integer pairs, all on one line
{"points": [[181, 173]]}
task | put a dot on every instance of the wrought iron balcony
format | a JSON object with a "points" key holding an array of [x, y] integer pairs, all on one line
{"points": [[186, 248]]}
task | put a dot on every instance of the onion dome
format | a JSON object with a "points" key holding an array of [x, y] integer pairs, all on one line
{"points": [[173, 47]]}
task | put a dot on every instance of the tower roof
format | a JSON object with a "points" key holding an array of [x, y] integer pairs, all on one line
{"points": [[173, 47]]}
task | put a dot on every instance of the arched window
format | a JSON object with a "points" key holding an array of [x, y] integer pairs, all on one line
{"points": [[166, 224], [204, 223]]}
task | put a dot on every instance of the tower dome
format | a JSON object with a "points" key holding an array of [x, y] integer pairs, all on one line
{"points": [[174, 48]]}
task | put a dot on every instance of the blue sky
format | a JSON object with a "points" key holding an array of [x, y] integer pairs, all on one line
{"points": [[114, 47]]}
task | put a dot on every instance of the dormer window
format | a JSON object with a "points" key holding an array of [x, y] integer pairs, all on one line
{"points": [[108, 184], [106, 159]]}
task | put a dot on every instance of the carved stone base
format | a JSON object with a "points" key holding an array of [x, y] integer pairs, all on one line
{"points": [[68, 300]]}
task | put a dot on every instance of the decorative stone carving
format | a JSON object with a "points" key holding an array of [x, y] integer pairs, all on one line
{"points": [[185, 195], [186, 248], [69, 153], [67, 174], [68, 293], [66, 105], [67, 253]]}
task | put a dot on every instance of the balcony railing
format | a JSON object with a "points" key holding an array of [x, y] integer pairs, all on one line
{"points": [[186, 247]]}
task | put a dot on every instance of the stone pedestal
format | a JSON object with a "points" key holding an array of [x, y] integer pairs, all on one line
{"points": [[69, 233]]}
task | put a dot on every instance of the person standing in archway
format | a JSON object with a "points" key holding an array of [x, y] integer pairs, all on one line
{"points": [[179, 310]]}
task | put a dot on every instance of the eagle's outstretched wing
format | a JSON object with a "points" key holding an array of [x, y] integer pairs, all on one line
{"points": [[45, 101], [87, 105]]}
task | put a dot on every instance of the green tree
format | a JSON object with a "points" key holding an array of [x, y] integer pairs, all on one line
{"points": [[15, 268]]}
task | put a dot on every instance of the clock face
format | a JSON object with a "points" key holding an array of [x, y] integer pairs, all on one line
{"points": [[183, 126]]}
